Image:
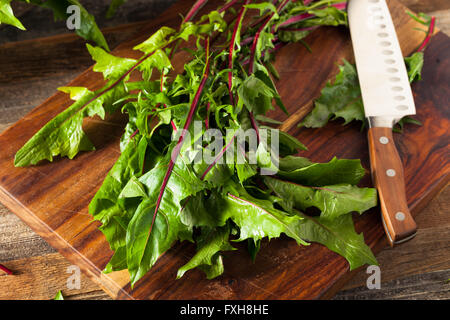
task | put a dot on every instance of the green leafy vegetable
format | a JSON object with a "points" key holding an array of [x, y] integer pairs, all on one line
{"points": [[415, 66], [185, 173], [342, 98], [7, 15], [337, 171], [339, 236], [64, 135], [59, 296], [210, 243], [333, 201], [115, 4]]}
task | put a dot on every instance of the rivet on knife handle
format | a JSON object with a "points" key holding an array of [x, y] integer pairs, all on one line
{"points": [[387, 173]]}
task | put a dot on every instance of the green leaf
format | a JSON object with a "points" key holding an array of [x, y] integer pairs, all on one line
{"points": [[156, 41], [105, 203], [258, 218], [215, 269], [88, 27], [143, 249], [333, 201], [329, 16], [203, 211], [59, 296], [342, 98], [339, 236], [187, 29], [263, 7], [118, 261], [108, 208], [7, 15], [157, 60], [64, 135], [400, 125], [111, 66], [293, 36], [265, 119], [414, 64], [245, 170], [263, 75], [114, 227], [114, 5], [337, 171], [182, 183], [256, 95], [209, 245], [288, 144], [253, 248], [291, 163]]}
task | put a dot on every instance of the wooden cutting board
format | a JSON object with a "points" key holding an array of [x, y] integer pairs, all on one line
{"points": [[53, 198]]}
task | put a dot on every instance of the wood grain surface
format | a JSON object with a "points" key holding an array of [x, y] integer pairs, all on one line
{"points": [[237, 281]]}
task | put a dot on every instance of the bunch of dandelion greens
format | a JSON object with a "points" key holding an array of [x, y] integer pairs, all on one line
{"points": [[158, 194]]}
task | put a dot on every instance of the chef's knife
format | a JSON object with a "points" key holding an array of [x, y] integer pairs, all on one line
{"points": [[387, 98]]}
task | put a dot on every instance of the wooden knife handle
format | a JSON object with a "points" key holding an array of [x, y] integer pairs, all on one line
{"points": [[388, 176]]}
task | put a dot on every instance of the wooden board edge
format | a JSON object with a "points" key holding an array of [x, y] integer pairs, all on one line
{"points": [[113, 284]]}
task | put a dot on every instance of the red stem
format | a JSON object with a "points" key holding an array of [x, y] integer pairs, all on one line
{"points": [[145, 57], [429, 35], [252, 59], [258, 34], [208, 106], [5, 269], [301, 29], [227, 6], [194, 10], [255, 43], [305, 16], [177, 149], [277, 46], [230, 57], [134, 134], [255, 126], [294, 19], [219, 156], [340, 6]]}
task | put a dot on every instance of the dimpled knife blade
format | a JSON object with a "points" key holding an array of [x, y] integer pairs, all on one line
{"points": [[385, 86]]}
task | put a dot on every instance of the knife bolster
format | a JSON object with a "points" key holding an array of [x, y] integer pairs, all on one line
{"points": [[382, 122]]}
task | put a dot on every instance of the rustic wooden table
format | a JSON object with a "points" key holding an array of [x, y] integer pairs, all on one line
{"points": [[31, 70]]}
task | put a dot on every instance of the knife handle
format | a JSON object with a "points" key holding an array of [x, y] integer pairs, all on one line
{"points": [[388, 176]]}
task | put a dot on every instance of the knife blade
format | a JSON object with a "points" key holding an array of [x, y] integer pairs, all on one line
{"points": [[387, 97]]}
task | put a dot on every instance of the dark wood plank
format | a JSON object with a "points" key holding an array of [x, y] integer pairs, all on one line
{"points": [[17, 240], [428, 252], [428, 286], [283, 270], [39, 22], [37, 278]]}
